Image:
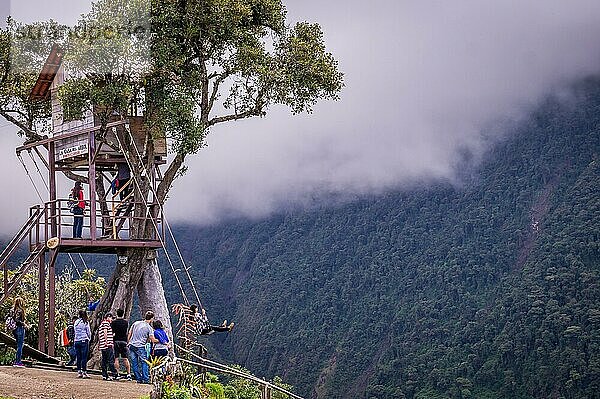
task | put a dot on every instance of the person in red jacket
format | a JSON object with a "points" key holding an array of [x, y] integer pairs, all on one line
{"points": [[77, 195]]}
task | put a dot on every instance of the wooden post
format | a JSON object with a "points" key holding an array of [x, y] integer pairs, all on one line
{"points": [[51, 302], [92, 182], [5, 272], [265, 392], [42, 302], [52, 189]]}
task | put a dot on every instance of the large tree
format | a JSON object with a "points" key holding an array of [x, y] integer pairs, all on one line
{"points": [[191, 65]]}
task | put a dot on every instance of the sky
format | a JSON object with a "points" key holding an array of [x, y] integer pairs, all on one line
{"points": [[425, 82]]}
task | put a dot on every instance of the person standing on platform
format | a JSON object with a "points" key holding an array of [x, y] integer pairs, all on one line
{"points": [[78, 208], [140, 333], [120, 325], [123, 177], [83, 335]]}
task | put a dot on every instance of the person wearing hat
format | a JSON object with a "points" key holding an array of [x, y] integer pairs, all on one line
{"points": [[77, 196]]}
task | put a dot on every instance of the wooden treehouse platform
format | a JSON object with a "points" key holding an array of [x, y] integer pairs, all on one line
{"points": [[110, 161], [100, 246]]}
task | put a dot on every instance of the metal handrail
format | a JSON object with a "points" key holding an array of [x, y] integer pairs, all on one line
{"points": [[62, 215], [212, 365]]}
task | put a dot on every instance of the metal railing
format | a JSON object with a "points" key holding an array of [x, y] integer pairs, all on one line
{"points": [[113, 221], [266, 387]]}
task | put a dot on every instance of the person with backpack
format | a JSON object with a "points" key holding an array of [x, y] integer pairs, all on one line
{"points": [[106, 345], [16, 322], [77, 209], [83, 335], [123, 177], [120, 325], [71, 344]]}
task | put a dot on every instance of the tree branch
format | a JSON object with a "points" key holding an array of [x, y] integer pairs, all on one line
{"points": [[257, 110], [215, 89], [30, 134], [75, 177], [169, 177]]}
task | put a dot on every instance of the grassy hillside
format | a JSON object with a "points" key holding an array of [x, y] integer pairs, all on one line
{"points": [[490, 289]]}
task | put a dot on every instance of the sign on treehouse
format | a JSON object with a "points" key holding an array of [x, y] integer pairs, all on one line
{"points": [[71, 150]]}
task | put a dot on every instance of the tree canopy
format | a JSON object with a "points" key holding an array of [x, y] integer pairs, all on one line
{"points": [[187, 65]]}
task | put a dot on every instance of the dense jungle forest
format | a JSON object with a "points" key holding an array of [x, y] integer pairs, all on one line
{"points": [[484, 287]]}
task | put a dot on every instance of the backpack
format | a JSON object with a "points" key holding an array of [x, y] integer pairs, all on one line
{"points": [[10, 322], [73, 202], [64, 337]]}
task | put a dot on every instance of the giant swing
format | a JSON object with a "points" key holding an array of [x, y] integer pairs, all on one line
{"points": [[72, 148]]}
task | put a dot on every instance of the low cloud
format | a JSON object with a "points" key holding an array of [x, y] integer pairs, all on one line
{"points": [[424, 80]]}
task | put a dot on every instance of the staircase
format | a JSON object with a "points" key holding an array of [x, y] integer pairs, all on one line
{"points": [[36, 249], [121, 209]]}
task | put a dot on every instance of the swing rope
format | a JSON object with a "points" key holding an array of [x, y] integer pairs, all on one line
{"points": [[166, 221], [148, 214], [167, 224]]}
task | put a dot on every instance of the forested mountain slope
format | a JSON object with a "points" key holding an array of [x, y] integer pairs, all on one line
{"points": [[488, 289]]}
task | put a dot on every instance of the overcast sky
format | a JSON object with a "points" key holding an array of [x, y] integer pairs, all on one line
{"points": [[424, 80]]}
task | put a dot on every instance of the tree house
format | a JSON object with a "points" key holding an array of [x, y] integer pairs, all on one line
{"points": [[73, 148]]}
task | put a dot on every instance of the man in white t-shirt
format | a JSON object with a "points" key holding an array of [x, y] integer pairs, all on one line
{"points": [[140, 333]]}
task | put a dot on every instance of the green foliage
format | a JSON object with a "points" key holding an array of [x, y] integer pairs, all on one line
{"points": [[306, 71], [20, 61], [244, 388], [279, 382], [71, 296], [75, 97], [216, 390], [27, 290], [207, 386], [239, 51], [74, 294], [171, 391], [7, 356]]}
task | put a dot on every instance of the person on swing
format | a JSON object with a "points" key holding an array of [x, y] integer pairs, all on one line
{"points": [[204, 326]]}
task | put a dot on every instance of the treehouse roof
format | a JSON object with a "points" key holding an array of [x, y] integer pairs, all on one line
{"points": [[41, 89]]}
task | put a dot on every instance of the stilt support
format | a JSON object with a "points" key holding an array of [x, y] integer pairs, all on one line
{"points": [[42, 303]]}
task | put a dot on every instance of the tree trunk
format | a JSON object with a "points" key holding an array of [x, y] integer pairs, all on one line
{"points": [[151, 295], [140, 271]]}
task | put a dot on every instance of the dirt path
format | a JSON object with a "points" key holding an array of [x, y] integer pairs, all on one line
{"points": [[30, 383]]}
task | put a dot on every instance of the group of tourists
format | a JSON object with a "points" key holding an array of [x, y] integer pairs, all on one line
{"points": [[118, 342]]}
